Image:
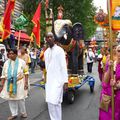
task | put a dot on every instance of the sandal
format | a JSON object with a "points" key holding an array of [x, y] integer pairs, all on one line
{"points": [[24, 115], [12, 117]]}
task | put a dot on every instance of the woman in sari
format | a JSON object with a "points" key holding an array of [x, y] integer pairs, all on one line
{"points": [[14, 84], [117, 83], [106, 88]]}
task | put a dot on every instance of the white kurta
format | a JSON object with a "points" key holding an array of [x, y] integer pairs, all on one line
{"points": [[22, 70], [91, 54], [56, 68]]}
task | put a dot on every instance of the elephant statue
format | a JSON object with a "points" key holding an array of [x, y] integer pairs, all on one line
{"points": [[70, 36]]}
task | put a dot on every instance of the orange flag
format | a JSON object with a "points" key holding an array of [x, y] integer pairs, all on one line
{"points": [[7, 19], [36, 21], [115, 11]]}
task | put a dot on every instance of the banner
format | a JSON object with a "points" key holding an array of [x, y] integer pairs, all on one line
{"points": [[115, 12], [20, 22], [36, 21], [7, 18]]}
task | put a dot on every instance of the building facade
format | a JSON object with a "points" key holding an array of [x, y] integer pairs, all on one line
{"points": [[17, 10]]}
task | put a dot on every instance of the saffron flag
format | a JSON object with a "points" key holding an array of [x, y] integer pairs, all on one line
{"points": [[36, 21], [115, 12], [7, 18]]}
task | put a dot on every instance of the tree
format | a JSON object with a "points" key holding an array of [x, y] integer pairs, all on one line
{"points": [[82, 11], [29, 10]]}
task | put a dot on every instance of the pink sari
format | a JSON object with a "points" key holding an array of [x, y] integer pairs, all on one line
{"points": [[117, 94], [103, 115], [106, 89]]}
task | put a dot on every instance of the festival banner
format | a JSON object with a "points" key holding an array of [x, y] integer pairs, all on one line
{"points": [[115, 13], [36, 21], [7, 19]]}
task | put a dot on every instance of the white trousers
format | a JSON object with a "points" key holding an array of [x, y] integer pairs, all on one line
{"points": [[14, 104], [55, 111]]}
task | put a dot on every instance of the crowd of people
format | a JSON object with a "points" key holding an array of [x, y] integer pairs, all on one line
{"points": [[15, 66], [14, 85], [108, 82], [18, 64], [105, 65]]}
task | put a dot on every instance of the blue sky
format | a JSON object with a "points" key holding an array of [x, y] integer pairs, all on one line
{"points": [[102, 3]]}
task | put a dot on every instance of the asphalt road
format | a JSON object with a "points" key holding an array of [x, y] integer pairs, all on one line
{"points": [[85, 106]]}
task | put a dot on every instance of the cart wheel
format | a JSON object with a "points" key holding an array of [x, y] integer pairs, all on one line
{"points": [[91, 89], [71, 97]]}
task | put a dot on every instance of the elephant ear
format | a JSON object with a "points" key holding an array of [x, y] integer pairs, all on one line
{"points": [[66, 34], [78, 32], [63, 31]]}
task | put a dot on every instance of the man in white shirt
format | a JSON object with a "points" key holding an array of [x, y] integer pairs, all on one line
{"points": [[57, 77], [33, 60], [90, 60]]}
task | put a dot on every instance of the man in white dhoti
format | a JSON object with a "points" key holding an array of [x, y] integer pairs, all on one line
{"points": [[57, 77], [14, 84]]}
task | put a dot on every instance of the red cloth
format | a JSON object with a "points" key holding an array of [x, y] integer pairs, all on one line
{"points": [[23, 36], [36, 21], [7, 18]]}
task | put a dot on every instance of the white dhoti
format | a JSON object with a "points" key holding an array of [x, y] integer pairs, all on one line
{"points": [[14, 104], [55, 111]]}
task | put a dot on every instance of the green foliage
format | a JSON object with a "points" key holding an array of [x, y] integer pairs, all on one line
{"points": [[81, 11], [30, 7]]}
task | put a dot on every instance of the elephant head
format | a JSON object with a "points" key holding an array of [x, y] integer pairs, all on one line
{"points": [[63, 31]]}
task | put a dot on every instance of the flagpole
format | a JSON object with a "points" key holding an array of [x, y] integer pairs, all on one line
{"points": [[31, 39], [30, 43], [18, 45], [111, 54]]}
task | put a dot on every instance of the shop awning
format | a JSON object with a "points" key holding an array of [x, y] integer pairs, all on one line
{"points": [[23, 36]]}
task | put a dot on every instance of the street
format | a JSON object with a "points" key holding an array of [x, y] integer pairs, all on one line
{"points": [[34, 31], [85, 106]]}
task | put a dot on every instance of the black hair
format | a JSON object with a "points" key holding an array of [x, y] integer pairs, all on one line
{"points": [[14, 50]]}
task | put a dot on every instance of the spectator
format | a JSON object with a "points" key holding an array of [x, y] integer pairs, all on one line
{"points": [[90, 60], [33, 56]]}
